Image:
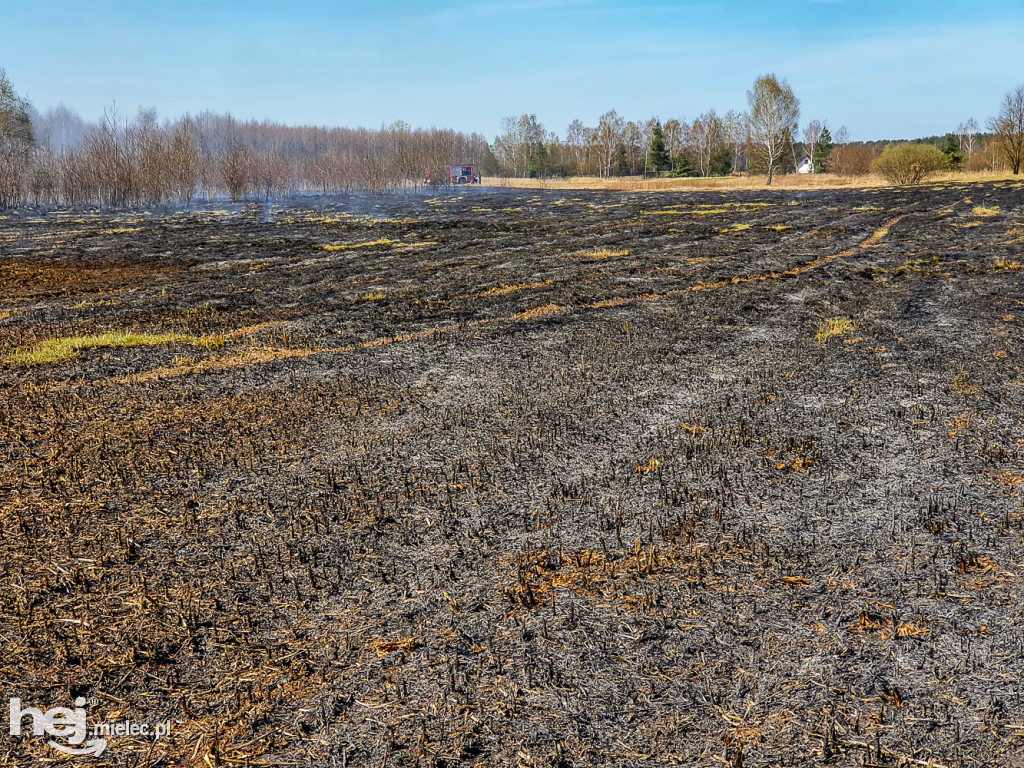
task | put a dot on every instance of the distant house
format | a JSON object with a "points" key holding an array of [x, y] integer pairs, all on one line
{"points": [[806, 166]]}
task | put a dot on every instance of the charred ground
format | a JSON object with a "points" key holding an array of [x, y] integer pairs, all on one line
{"points": [[516, 478]]}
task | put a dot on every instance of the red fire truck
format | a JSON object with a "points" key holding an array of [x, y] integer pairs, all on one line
{"points": [[456, 174], [462, 174]]}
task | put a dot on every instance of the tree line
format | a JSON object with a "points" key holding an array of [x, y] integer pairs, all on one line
{"points": [[765, 139], [55, 157]]}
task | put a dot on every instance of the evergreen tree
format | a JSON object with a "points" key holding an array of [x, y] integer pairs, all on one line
{"points": [[657, 158], [539, 162], [622, 162], [721, 161], [821, 152], [681, 166], [951, 150]]}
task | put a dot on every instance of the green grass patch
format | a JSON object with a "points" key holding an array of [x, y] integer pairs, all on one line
{"points": [[61, 350]]}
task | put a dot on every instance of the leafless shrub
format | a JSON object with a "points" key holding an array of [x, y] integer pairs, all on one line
{"points": [[237, 169], [1008, 127], [850, 160]]}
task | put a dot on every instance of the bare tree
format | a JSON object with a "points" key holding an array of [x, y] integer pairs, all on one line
{"points": [[576, 143], [1008, 127], [184, 161], [633, 141], [520, 137], [705, 136], [272, 174], [152, 166], [607, 137], [109, 152], [811, 135], [848, 159], [966, 134], [59, 128], [16, 143], [237, 170], [505, 144], [774, 111], [674, 131], [734, 133], [131, 161]]}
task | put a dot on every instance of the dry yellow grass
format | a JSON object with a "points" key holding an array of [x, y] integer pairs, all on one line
{"points": [[980, 210], [120, 230], [502, 290], [645, 469], [603, 253], [537, 312], [371, 244], [835, 326], [789, 181], [377, 296]]}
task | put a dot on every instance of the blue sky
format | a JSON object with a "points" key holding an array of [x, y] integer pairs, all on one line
{"points": [[884, 69]]}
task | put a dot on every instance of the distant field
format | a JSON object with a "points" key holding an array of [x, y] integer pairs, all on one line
{"points": [[729, 183], [521, 478]]}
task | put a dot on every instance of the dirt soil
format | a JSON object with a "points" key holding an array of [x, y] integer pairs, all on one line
{"points": [[521, 478]]}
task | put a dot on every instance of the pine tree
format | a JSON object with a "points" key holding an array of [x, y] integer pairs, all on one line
{"points": [[954, 157], [657, 158], [821, 152], [720, 163], [681, 166], [538, 162], [622, 162]]}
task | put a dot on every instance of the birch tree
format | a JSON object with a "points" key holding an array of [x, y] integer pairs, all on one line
{"points": [[774, 112], [674, 131], [811, 135], [967, 133], [706, 135], [607, 137], [576, 143]]}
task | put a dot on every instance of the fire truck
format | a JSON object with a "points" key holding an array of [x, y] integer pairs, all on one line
{"points": [[456, 174], [462, 174]]}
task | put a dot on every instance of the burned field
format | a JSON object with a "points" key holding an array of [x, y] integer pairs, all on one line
{"points": [[525, 479]]}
